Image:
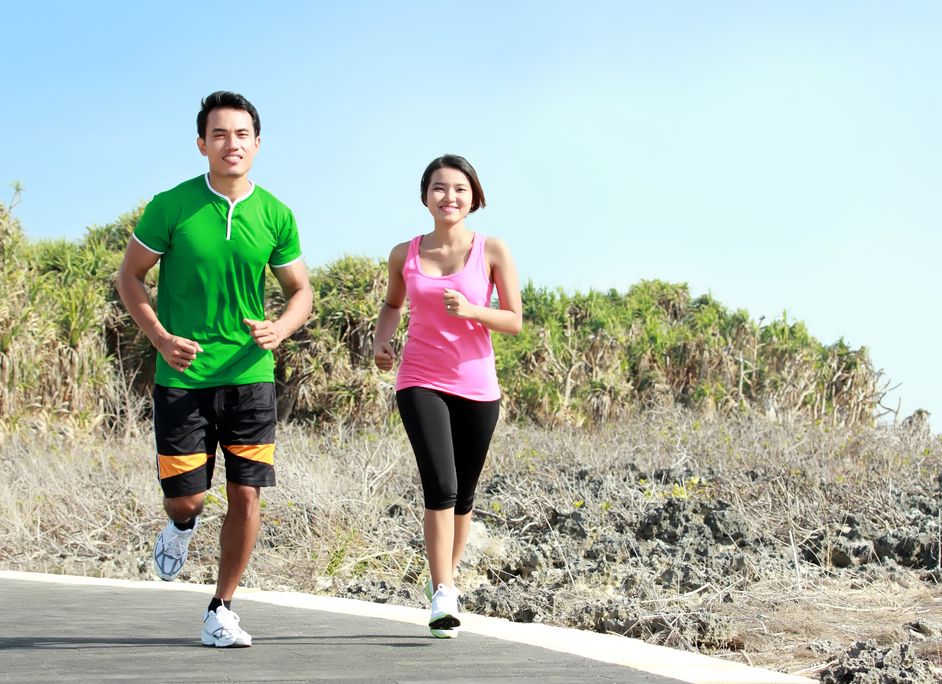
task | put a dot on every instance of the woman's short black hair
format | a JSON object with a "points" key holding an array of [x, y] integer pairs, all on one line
{"points": [[453, 161], [223, 99]]}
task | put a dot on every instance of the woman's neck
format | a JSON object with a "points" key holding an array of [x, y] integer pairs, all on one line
{"points": [[451, 234]]}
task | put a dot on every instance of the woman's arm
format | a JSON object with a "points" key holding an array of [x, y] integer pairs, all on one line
{"points": [[390, 314], [509, 317]]}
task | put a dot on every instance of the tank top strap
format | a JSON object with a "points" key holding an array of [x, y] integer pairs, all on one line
{"points": [[412, 255], [478, 256], [414, 247]]}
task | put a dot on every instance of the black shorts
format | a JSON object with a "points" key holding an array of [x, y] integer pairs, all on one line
{"points": [[190, 423], [450, 437]]}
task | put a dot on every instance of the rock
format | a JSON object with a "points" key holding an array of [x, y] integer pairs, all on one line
{"points": [[924, 628], [726, 525], [482, 546], [868, 663], [822, 646]]}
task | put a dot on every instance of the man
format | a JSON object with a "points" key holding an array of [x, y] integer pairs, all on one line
{"points": [[213, 236]]}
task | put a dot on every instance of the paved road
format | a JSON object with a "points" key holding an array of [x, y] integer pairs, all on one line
{"points": [[51, 630]]}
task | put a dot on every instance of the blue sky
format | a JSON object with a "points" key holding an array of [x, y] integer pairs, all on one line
{"points": [[782, 156]]}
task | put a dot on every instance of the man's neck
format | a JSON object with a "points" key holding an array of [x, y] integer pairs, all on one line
{"points": [[233, 188]]}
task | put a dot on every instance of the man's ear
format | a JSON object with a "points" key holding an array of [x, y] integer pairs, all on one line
{"points": [[201, 145]]}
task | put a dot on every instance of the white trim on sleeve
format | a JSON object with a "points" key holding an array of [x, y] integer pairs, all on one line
{"points": [[287, 263], [141, 243]]}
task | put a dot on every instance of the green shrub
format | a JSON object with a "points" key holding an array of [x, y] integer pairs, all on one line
{"points": [[67, 345]]}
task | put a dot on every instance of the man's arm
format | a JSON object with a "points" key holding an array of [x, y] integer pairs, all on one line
{"points": [[178, 352], [299, 299]]}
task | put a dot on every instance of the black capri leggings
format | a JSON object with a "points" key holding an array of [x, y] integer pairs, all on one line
{"points": [[450, 436]]}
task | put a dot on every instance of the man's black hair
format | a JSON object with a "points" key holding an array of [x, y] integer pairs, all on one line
{"points": [[226, 100]]}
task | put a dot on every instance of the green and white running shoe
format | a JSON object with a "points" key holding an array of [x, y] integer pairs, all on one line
{"points": [[443, 622]]}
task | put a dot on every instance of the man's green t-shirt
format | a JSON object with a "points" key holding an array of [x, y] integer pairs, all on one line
{"points": [[212, 275]]}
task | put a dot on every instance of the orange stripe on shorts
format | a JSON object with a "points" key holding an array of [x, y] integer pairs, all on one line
{"points": [[263, 453], [177, 465]]}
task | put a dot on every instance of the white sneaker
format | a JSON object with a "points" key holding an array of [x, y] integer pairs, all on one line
{"points": [[170, 550], [428, 590], [444, 622], [221, 629]]}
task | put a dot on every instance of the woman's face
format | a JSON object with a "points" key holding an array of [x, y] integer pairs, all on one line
{"points": [[449, 195]]}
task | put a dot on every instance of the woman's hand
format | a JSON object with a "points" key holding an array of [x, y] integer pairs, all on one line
{"points": [[457, 305], [384, 356]]}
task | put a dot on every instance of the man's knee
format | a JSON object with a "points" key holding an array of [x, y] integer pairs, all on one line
{"points": [[182, 508], [243, 500]]}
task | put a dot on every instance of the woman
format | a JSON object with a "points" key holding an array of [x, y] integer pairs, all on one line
{"points": [[446, 386]]}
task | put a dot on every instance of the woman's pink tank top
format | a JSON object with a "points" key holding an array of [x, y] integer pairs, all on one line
{"points": [[441, 352]]}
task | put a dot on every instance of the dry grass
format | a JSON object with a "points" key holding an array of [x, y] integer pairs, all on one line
{"points": [[798, 628], [562, 535]]}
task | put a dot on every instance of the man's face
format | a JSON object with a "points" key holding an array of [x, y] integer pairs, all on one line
{"points": [[230, 143]]}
